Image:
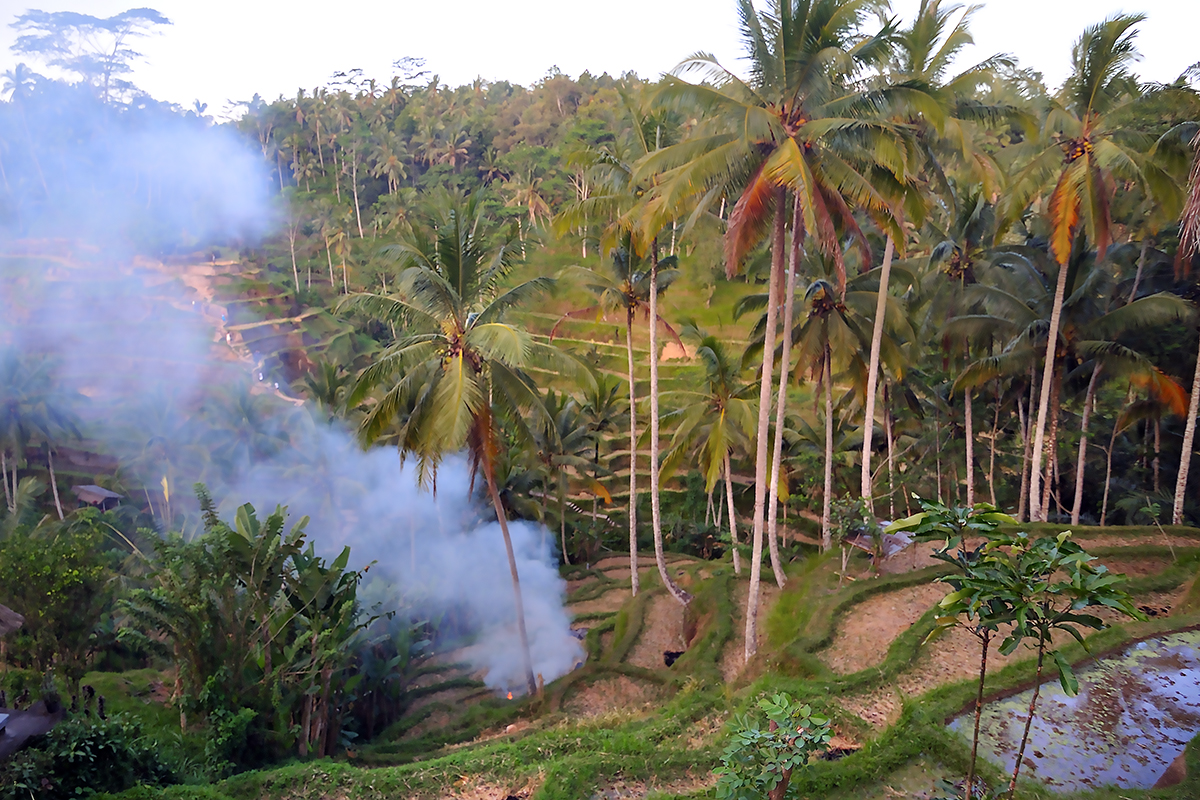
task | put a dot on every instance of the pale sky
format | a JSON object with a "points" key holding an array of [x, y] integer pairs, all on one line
{"points": [[218, 50]]}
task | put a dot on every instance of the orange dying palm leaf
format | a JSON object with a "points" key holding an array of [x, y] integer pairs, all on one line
{"points": [[749, 220], [1163, 388], [1064, 214]]}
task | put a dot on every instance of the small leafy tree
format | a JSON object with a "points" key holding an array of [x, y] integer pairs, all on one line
{"points": [[974, 604], [1047, 582], [850, 517], [58, 577], [759, 762]]}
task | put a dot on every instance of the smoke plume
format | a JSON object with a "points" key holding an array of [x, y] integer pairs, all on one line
{"points": [[98, 205]]}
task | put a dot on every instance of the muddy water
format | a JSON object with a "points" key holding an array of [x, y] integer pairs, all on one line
{"points": [[1135, 712]]}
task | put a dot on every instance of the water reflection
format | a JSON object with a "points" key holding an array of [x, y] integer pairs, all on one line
{"points": [[1135, 712]]}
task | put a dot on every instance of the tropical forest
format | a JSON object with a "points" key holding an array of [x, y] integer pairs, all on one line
{"points": [[817, 426]]}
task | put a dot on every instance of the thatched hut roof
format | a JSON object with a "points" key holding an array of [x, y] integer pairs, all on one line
{"points": [[9, 620]]}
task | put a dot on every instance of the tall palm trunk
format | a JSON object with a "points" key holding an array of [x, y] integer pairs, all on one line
{"points": [[526, 661], [1052, 444], [329, 258], [764, 419], [337, 170], [873, 372], [1185, 456], [1026, 414], [781, 399], [1141, 264], [992, 451], [1037, 510], [292, 245], [655, 511], [53, 481], [891, 453], [562, 521], [633, 561], [1081, 463], [354, 187], [733, 535], [8, 500], [969, 430], [827, 501]]}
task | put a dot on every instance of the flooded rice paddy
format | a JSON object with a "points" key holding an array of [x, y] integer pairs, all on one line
{"points": [[1135, 712]]}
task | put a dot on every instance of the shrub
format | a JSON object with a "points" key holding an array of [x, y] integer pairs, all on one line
{"points": [[759, 762], [81, 757]]}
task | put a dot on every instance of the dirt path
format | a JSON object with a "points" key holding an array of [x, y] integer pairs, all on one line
{"points": [[868, 629]]}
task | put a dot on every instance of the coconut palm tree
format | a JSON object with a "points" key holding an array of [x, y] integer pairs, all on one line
{"points": [[1016, 300], [924, 52], [1084, 147], [18, 84], [632, 224], [389, 155], [1189, 246], [459, 365], [602, 407], [629, 290], [797, 125], [32, 407], [832, 327], [562, 440], [714, 422]]}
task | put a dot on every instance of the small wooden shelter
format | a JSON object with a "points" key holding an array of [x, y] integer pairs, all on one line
{"points": [[97, 496]]}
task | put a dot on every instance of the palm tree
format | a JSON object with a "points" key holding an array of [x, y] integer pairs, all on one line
{"points": [[1189, 245], [19, 83], [795, 126], [31, 407], [924, 52], [632, 226], [602, 407], [959, 251], [628, 290], [1016, 301], [459, 364], [326, 387], [1086, 148], [832, 327], [389, 155], [714, 422], [242, 428], [561, 440]]}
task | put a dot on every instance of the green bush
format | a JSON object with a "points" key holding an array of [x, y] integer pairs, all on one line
{"points": [[81, 757], [58, 578]]}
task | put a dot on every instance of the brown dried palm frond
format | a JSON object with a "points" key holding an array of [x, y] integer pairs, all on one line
{"points": [[1189, 219]]}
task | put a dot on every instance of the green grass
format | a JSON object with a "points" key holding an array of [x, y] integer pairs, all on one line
{"points": [[569, 758]]}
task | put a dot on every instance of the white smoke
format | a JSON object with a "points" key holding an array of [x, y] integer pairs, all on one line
{"points": [[124, 331]]}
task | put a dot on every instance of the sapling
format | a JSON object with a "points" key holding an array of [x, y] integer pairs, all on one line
{"points": [[973, 598], [759, 762], [1047, 582]]}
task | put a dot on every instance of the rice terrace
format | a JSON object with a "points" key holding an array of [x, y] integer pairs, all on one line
{"points": [[810, 416]]}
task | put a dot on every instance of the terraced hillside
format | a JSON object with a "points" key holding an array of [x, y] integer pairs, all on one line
{"points": [[626, 725]]}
